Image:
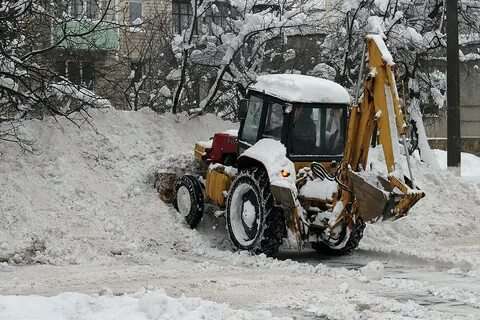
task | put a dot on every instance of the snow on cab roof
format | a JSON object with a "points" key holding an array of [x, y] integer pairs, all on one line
{"points": [[301, 88]]}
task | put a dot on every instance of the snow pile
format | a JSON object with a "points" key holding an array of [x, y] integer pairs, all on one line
{"points": [[444, 226], [86, 194], [470, 164], [373, 271], [140, 306], [351, 303]]}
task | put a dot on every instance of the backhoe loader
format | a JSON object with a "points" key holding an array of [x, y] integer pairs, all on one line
{"points": [[297, 167]]}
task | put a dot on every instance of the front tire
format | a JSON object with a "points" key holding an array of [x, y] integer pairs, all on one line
{"points": [[349, 241], [253, 223], [189, 200]]}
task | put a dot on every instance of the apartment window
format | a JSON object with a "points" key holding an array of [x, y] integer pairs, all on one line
{"points": [[73, 72], [136, 67], [135, 11], [182, 13], [81, 8], [76, 8], [109, 6], [257, 8], [88, 75], [218, 14], [62, 7], [81, 73], [91, 8]]}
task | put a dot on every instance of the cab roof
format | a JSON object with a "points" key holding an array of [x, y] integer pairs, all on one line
{"points": [[301, 89]]}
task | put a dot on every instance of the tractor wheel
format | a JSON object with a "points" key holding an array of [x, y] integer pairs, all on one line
{"points": [[189, 200], [253, 223], [347, 242]]}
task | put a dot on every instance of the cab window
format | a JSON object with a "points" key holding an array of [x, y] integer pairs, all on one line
{"points": [[252, 120], [318, 131], [334, 135], [274, 121]]}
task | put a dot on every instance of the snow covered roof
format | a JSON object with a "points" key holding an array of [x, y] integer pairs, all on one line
{"points": [[301, 88]]}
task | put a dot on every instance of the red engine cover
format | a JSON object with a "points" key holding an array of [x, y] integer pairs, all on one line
{"points": [[223, 144]]}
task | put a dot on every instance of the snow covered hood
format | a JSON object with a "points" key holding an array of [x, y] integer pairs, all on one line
{"points": [[273, 155], [301, 88]]}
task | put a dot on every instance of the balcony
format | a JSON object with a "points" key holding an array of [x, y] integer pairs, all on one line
{"points": [[79, 35]]}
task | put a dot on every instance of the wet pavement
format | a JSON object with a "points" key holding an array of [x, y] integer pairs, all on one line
{"points": [[438, 286]]}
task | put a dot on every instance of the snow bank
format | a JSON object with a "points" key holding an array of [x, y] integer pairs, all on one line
{"points": [[140, 306], [442, 227], [85, 194], [373, 271], [470, 163]]}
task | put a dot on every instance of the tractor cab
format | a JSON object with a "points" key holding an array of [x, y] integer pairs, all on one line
{"points": [[307, 115]]}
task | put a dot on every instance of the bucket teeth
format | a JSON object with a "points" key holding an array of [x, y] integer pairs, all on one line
{"points": [[402, 204]]}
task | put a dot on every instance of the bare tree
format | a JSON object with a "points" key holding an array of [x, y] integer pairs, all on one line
{"points": [[233, 50], [143, 64], [30, 31], [415, 33]]}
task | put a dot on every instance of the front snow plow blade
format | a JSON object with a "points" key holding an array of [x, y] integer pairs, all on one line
{"points": [[165, 183], [169, 169], [380, 199]]}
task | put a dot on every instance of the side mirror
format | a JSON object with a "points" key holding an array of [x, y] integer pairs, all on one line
{"points": [[242, 111]]}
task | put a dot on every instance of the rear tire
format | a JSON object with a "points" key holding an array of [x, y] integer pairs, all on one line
{"points": [[189, 200], [354, 237], [253, 223]]}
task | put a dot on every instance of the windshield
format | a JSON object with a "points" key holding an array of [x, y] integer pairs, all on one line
{"points": [[318, 130]]}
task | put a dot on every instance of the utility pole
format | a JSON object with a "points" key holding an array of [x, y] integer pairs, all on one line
{"points": [[453, 89]]}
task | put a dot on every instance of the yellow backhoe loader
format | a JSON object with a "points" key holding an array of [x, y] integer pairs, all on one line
{"points": [[297, 167]]}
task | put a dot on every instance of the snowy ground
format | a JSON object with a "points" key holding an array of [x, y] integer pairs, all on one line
{"points": [[79, 214]]}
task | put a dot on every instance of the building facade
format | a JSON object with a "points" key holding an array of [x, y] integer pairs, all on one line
{"points": [[133, 41], [436, 121]]}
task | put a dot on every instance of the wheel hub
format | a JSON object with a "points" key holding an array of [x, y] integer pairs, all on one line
{"points": [[248, 214], [184, 201], [338, 237], [245, 214]]}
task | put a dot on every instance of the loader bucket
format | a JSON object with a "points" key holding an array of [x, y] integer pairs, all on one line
{"points": [[378, 198], [172, 167], [165, 185]]}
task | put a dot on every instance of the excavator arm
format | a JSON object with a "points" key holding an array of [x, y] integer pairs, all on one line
{"points": [[377, 197], [379, 105]]}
